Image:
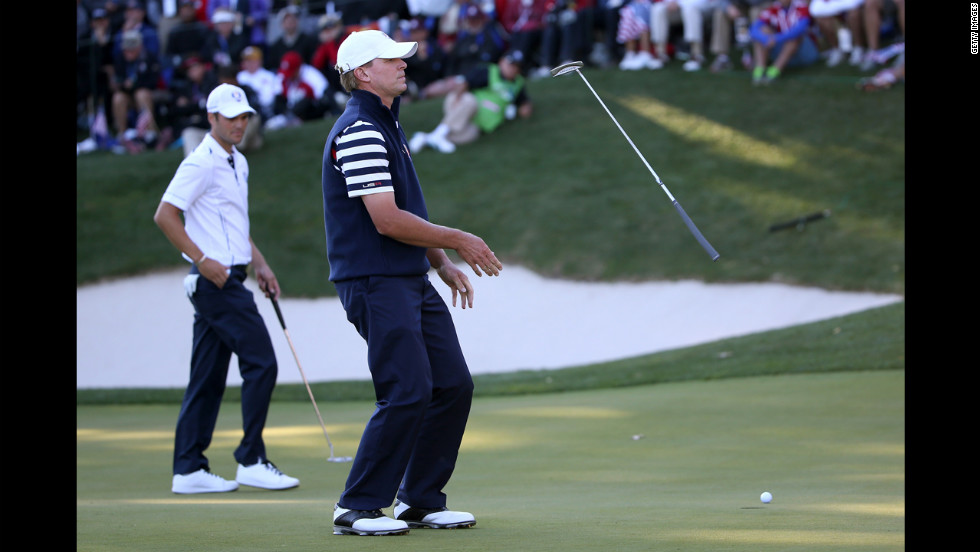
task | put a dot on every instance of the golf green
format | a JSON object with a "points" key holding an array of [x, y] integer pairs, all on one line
{"points": [[677, 466]]}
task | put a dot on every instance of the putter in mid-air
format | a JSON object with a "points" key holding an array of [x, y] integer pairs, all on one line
{"points": [[573, 66], [282, 322]]}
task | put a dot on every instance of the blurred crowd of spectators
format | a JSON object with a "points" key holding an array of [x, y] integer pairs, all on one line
{"points": [[145, 67]]}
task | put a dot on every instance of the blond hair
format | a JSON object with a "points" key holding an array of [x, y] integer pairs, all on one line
{"points": [[348, 80]]}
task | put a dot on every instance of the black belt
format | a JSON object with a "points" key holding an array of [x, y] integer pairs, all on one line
{"points": [[238, 272], [241, 269]]}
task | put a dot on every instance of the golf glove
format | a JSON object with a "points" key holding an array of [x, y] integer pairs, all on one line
{"points": [[190, 284]]}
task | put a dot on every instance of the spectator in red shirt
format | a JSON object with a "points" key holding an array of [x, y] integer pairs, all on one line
{"points": [[781, 35], [301, 95]]}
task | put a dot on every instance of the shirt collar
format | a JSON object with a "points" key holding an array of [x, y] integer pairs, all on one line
{"points": [[216, 148], [372, 101]]}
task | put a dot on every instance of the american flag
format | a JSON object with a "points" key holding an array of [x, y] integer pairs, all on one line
{"points": [[631, 25], [785, 15], [144, 122], [100, 127]]}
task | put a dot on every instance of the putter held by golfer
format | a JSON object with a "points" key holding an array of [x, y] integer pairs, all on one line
{"points": [[571, 66], [282, 322]]}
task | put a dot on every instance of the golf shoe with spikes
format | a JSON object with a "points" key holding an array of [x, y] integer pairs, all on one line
{"points": [[433, 518], [365, 523]]}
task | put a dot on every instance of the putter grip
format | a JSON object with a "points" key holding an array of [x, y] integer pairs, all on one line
{"points": [[275, 304], [697, 233]]}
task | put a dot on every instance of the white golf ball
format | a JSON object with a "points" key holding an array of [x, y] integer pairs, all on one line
{"points": [[766, 497]]}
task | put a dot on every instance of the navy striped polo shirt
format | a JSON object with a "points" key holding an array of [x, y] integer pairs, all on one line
{"points": [[367, 152]]}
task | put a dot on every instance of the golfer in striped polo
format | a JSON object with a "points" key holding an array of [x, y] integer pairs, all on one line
{"points": [[381, 246]]}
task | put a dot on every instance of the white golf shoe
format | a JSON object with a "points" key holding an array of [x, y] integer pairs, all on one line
{"points": [[365, 523], [434, 518], [202, 481], [265, 475]]}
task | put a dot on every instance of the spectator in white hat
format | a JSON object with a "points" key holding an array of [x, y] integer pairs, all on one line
{"points": [[226, 41]]}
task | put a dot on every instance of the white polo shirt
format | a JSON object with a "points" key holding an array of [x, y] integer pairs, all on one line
{"points": [[214, 199]]}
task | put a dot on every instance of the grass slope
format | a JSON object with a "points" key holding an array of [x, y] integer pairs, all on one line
{"points": [[565, 195]]}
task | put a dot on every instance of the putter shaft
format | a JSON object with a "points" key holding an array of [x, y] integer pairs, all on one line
{"points": [[282, 322], [574, 66]]}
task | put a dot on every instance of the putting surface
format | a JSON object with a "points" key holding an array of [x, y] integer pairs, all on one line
{"points": [[676, 466]]}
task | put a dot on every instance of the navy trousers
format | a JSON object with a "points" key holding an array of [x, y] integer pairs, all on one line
{"points": [[423, 389], [226, 321]]}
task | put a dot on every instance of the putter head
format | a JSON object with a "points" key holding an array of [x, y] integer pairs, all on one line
{"points": [[339, 459], [566, 68]]}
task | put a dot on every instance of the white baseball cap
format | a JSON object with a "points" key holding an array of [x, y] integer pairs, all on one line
{"points": [[222, 15], [228, 100], [364, 46]]}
